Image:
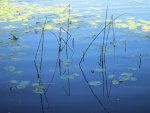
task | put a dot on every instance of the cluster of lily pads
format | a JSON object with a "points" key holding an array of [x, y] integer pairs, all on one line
{"points": [[38, 88], [66, 64], [13, 69], [123, 78], [30, 18]]}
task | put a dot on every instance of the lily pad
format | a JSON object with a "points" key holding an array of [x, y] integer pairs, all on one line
{"points": [[115, 82], [95, 83], [75, 67], [18, 72], [16, 59], [10, 68], [37, 85], [39, 91], [114, 43], [52, 70], [2, 54], [75, 74], [14, 81], [132, 69], [66, 77], [21, 54], [21, 86], [20, 47], [111, 76], [66, 62], [10, 55], [24, 83], [126, 74], [99, 70], [133, 78]]}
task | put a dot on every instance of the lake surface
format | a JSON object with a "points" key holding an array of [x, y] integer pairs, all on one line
{"points": [[88, 56]]}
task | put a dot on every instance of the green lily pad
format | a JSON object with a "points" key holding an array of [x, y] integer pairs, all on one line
{"points": [[18, 72], [99, 70], [66, 77], [115, 82], [2, 54], [75, 67], [133, 78], [132, 69], [16, 59], [111, 76], [124, 77], [10, 68], [21, 54], [52, 70], [114, 43], [75, 74], [95, 83], [2, 61], [126, 74], [21, 86], [20, 47], [10, 55], [66, 63], [14, 37], [14, 81], [24, 83], [39, 91], [65, 60], [37, 85]]}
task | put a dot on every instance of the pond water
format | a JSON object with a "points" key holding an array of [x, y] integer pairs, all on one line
{"points": [[74, 56]]}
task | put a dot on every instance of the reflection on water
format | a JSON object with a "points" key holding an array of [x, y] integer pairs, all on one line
{"points": [[76, 56]]}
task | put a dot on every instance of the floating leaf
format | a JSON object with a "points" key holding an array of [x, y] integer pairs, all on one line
{"points": [[21, 54], [126, 74], [114, 43], [2, 54], [75, 74], [66, 61], [133, 78], [95, 83], [132, 69], [111, 76], [66, 77], [115, 82], [75, 67], [24, 82], [99, 70], [39, 91], [10, 68], [16, 59], [52, 70], [15, 38], [20, 47], [2, 61], [18, 72], [14, 81], [21, 86], [10, 55]]}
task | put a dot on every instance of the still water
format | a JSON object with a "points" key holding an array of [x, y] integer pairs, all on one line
{"points": [[88, 56]]}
